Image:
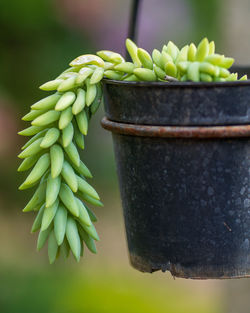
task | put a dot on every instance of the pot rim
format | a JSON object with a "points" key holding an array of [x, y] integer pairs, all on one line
{"points": [[197, 132], [178, 84]]}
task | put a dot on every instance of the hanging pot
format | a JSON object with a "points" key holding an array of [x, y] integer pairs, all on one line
{"points": [[183, 158]]}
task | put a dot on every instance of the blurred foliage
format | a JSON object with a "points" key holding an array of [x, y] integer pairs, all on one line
{"points": [[35, 46], [67, 291], [206, 19]]}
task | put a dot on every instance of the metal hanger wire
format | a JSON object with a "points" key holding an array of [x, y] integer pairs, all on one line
{"points": [[133, 22]]}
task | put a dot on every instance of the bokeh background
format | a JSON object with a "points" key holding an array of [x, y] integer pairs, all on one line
{"points": [[37, 41]]}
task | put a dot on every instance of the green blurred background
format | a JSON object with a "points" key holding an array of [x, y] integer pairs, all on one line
{"points": [[37, 41]]}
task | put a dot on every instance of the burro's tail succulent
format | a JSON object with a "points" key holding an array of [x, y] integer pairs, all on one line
{"points": [[60, 121]]}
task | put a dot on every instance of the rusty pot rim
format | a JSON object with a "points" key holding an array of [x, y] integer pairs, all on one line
{"points": [[176, 131], [178, 84]]}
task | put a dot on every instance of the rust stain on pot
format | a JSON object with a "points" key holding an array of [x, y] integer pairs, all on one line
{"points": [[177, 131]]}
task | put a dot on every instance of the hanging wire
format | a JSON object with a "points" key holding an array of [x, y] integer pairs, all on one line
{"points": [[132, 31]]}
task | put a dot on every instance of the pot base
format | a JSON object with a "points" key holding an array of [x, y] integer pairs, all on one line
{"points": [[180, 271]]}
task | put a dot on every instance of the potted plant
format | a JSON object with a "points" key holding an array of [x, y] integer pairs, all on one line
{"points": [[180, 123]]}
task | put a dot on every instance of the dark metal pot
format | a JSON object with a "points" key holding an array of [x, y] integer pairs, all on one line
{"points": [[183, 159]]}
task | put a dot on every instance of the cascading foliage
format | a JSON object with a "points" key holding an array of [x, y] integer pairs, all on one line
{"points": [[60, 121]]}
